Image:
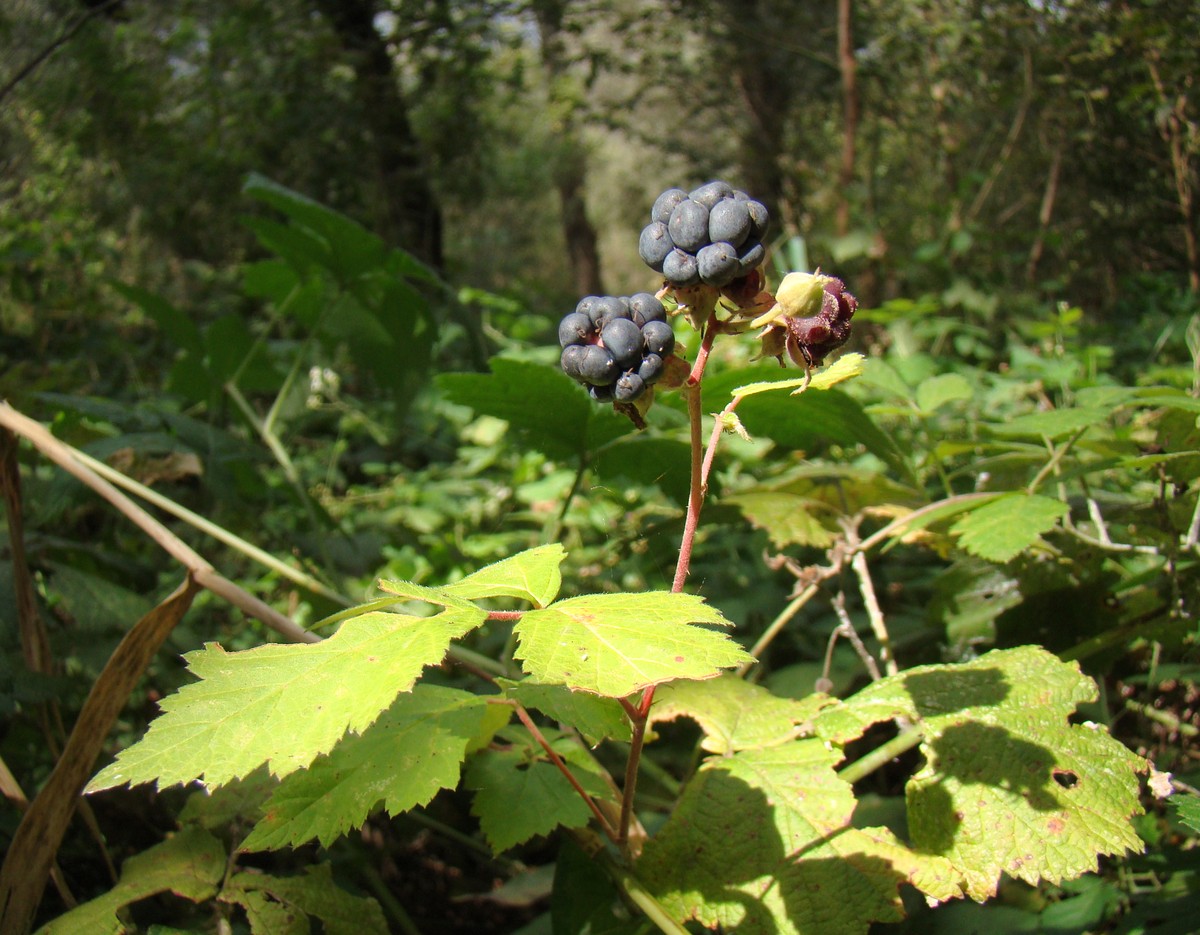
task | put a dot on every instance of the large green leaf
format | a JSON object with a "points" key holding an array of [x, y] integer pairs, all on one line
{"points": [[283, 705], [999, 530], [1009, 786], [616, 644], [189, 864], [413, 750], [594, 717], [545, 407], [761, 842], [808, 422]]}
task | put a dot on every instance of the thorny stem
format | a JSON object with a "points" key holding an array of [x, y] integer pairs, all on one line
{"points": [[696, 493], [533, 729]]}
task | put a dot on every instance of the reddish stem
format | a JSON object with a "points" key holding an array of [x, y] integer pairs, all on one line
{"points": [[566, 771], [505, 614]]}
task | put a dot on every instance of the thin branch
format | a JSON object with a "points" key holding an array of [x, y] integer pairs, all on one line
{"points": [[64, 456], [858, 562], [69, 33], [847, 630], [557, 760]]}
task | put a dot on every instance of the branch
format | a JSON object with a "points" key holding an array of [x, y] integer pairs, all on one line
{"points": [[204, 574], [25, 70]]}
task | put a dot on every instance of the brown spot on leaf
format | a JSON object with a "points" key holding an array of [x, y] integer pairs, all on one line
{"points": [[679, 658], [1055, 825]]}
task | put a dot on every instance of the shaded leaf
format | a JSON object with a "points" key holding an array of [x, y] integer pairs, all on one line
{"points": [[519, 793], [616, 644], [314, 894], [761, 842], [594, 717], [787, 518], [734, 714], [934, 392], [189, 864], [1053, 423]]}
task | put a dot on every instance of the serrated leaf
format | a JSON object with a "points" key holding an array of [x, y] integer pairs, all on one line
{"points": [[844, 368], [533, 576], [595, 718], [316, 894], [1054, 423], [419, 592], [761, 842], [549, 410], [934, 392], [734, 714], [519, 793], [787, 518], [283, 705], [1009, 786], [999, 530], [1187, 809], [616, 644], [190, 864], [413, 750]]}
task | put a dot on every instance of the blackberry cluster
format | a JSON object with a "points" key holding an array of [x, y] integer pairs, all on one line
{"points": [[712, 235], [616, 345]]}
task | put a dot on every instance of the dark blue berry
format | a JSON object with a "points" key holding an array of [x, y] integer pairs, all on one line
{"points": [[688, 226], [644, 307], [680, 268], [623, 339], [651, 368], [629, 386], [751, 256], [659, 337], [665, 203], [729, 221], [597, 366], [654, 245], [607, 308], [718, 264], [712, 192], [575, 328], [571, 360], [760, 220]]}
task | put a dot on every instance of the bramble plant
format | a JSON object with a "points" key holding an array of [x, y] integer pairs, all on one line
{"points": [[556, 732]]}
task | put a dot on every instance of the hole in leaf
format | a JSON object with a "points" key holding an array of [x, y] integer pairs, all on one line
{"points": [[1065, 778]]}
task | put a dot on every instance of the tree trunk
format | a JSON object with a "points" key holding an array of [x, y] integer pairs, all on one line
{"points": [[570, 168], [850, 108], [410, 215]]}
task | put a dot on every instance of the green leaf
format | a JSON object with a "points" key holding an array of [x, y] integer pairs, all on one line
{"points": [[595, 718], [189, 864], [176, 325], [585, 902], [314, 894], [999, 530], [1187, 809], [533, 576], [734, 714], [420, 592], [1009, 786], [761, 842], [616, 644], [787, 518], [934, 392], [283, 705], [643, 459], [545, 407], [1053, 423], [519, 793], [413, 750], [844, 368]]}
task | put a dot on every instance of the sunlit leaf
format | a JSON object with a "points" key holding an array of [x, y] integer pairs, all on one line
{"points": [[999, 530]]}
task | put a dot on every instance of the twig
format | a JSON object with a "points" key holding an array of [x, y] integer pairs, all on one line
{"points": [[858, 562], [204, 574], [25, 70], [777, 625], [847, 630]]}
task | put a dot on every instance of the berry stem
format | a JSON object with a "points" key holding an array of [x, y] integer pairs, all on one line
{"points": [[640, 718]]}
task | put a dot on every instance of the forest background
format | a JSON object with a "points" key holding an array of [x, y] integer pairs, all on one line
{"points": [[1007, 186]]}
